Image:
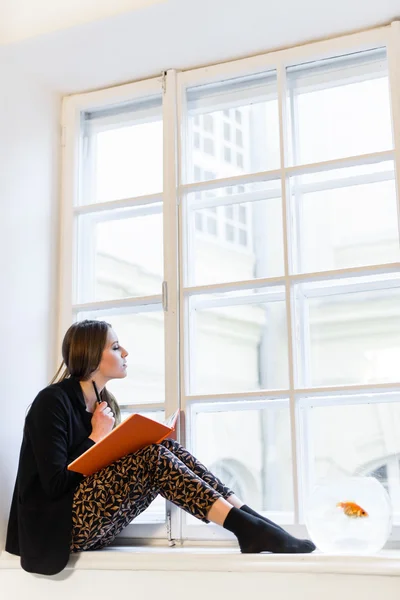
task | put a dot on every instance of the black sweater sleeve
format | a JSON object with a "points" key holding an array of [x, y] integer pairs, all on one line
{"points": [[46, 426]]}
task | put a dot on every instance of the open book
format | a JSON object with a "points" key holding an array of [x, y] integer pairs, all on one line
{"points": [[131, 435]]}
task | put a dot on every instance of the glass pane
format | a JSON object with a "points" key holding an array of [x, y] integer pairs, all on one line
{"points": [[122, 154], [350, 330], [346, 217], [238, 341], [243, 140], [156, 415], [339, 107], [142, 335], [248, 240], [155, 513], [249, 451], [356, 439], [120, 253]]}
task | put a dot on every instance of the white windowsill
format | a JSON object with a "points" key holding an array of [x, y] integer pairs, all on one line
{"points": [[386, 563]]}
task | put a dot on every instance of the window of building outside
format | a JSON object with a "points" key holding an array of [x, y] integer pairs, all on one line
{"points": [[285, 223]]}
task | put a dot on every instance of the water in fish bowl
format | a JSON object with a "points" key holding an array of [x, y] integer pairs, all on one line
{"points": [[349, 516]]}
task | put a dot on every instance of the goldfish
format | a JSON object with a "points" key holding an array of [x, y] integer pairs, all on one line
{"points": [[351, 509]]}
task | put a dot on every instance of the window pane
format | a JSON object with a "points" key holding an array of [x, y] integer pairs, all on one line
{"points": [[142, 335], [156, 415], [199, 221], [238, 341], [250, 451], [346, 217], [227, 154], [242, 214], [227, 132], [356, 439], [120, 253], [229, 233], [256, 109], [341, 107], [208, 123], [197, 173], [242, 237], [226, 258], [211, 226], [350, 330], [229, 212], [122, 152], [209, 146]]}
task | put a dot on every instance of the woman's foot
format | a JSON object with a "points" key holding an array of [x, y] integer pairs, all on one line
{"points": [[256, 535], [252, 512]]}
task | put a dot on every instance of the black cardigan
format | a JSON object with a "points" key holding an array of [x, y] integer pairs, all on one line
{"points": [[56, 432]]}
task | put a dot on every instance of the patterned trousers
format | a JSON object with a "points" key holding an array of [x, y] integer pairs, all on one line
{"points": [[107, 501]]}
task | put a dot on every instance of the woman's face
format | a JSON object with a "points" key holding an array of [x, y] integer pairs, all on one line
{"points": [[113, 361]]}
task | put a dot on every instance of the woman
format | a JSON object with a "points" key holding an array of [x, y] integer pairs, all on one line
{"points": [[55, 511]]}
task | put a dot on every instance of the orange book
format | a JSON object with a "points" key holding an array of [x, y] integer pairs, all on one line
{"points": [[131, 435]]}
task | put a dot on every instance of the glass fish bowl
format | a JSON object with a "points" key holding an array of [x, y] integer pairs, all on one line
{"points": [[349, 516]]}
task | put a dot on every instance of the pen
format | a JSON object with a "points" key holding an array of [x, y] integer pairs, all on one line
{"points": [[96, 391]]}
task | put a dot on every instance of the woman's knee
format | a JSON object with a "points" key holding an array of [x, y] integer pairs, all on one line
{"points": [[157, 450], [148, 453], [170, 444]]}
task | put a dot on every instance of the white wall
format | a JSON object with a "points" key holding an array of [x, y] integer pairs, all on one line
{"points": [[23, 19], [142, 43], [29, 117]]}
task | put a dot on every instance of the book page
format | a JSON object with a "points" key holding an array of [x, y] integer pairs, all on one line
{"points": [[171, 421]]}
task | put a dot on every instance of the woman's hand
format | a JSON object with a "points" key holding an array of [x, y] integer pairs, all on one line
{"points": [[102, 422]]}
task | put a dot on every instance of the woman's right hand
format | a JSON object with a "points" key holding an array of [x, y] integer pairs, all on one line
{"points": [[102, 422]]}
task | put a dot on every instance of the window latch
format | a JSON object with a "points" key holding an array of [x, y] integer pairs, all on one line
{"points": [[165, 296]]}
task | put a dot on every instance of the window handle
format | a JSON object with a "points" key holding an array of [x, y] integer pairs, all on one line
{"points": [[165, 296]]}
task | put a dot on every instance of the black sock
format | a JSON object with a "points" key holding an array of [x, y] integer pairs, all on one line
{"points": [[255, 535], [252, 512]]}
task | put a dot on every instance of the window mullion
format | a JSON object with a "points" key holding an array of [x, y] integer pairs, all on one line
{"points": [[171, 168], [133, 303], [125, 203], [170, 241], [71, 126], [393, 52], [286, 222]]}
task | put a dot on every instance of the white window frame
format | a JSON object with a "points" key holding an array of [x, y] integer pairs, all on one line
{"points": [[72, 142], [388, 37], [173, 87]]}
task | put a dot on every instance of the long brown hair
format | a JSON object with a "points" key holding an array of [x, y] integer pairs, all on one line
{"points": [[82, 349]]}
